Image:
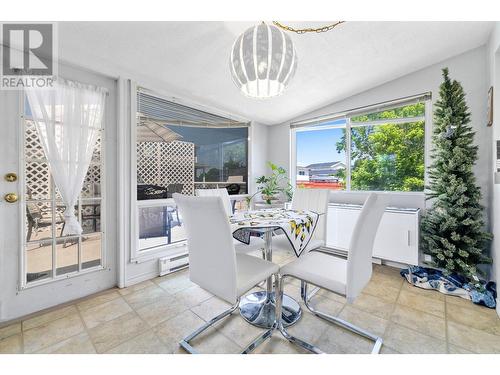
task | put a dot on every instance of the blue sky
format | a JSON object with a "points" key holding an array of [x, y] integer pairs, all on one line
{"points": [[318, 146]]}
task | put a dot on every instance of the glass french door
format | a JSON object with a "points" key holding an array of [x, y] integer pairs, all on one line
{"points": [[40, 267]]}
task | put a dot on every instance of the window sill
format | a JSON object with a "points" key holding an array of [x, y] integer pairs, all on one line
{"points": [[157, 252]]}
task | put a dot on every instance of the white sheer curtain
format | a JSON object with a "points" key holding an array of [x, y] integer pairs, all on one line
{"points": [[68, 118]]}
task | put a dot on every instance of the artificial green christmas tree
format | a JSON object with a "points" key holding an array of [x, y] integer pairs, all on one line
{"points": [[453, 228]]}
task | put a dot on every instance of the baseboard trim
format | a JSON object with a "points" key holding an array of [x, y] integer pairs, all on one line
{"points": [[142, 277]]}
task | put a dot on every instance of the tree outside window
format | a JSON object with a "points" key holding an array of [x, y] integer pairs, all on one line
{"points": [[389, 156]]}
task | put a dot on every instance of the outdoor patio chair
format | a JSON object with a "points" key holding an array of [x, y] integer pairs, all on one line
{"points": [[39, 218], [233, 189]]}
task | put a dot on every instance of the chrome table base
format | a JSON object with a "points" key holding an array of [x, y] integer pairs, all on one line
{"points": [[259, 309]]}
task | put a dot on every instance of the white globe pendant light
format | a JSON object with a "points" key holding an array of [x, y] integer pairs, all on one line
{"points": [[263, 61]]}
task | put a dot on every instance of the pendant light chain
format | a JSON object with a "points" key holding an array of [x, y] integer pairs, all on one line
{"points": [[322, 29]]}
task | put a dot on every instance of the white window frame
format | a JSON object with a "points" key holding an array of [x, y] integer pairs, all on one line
{"points": [[137, 255], [426, 118], [23, 284]]}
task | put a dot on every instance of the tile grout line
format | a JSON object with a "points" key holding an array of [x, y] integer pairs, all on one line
{"points": [[215, 329], [100, 324], [50, 309], [149, 328], [48, 322], [22, 339], [415, 330], [146, 323], [130, 339], [85, 327], [390, 322], [423, 311], [446, 326], [392, 312]]}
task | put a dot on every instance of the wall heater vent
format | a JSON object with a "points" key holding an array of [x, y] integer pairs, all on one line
{"points": [[174, 262]]}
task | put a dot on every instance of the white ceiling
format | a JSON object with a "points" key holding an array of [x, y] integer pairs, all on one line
{"points": [[191, 58]]}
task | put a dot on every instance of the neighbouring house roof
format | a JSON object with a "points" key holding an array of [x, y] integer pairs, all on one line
{"points": [[331, 165]]}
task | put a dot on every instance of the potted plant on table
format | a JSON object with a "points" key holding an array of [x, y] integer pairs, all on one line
{"points": [[272, 185]]}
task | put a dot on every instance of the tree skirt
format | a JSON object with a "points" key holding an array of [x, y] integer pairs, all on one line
{"points": [[455, 285]]}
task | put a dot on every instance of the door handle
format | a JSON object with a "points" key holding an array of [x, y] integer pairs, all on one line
{"points": [[11, 197], [11, 177]]}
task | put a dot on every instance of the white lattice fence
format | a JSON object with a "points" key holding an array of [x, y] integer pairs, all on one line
{"points": [[165, 163], [37, 169]]}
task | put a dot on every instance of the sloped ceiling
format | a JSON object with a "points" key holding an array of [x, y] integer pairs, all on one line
{"points": [[191, 58]]}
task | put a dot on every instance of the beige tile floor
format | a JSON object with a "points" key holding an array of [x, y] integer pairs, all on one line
{"points": [[151, 317]]}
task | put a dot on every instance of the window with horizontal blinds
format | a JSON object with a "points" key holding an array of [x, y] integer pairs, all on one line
{"points": [[180, 149], [156, 108]]}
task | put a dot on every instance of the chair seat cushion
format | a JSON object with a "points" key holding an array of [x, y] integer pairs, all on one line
{"points": [[323, 270], [250, 271]]}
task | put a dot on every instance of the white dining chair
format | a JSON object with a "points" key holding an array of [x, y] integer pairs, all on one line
{"points": [[222, 193], [340, 276], [256, 242], [213, 263], [313, 200]]}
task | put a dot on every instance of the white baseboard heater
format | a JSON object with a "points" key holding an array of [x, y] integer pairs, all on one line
{"points": [[397, 238], [174, 262]]}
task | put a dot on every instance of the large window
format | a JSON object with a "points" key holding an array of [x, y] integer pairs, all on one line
{"points": [[49, 254], [381, 151], [182, 149], [319, 163], [220, 156]]}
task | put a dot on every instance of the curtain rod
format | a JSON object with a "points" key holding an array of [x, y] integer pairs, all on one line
{"points": [[360, 110]]}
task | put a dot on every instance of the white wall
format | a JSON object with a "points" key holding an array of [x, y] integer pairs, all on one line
{"points": [[493, 60], [469, 68], [278, 150], [257, 153]]}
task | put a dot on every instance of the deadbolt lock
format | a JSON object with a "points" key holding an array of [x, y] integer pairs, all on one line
{"points": [[11, 197], [11, 177]]}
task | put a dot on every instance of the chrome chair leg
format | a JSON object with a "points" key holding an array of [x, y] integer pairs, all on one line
{"points": [[340, 322], [311, 294], [259, 340], [185, 343], [279, 325]]}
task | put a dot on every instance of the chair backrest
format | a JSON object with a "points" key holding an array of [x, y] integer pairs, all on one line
{"points": [[359, 259], [33, 212], [222, 193], [314, 200], [212, 258]]}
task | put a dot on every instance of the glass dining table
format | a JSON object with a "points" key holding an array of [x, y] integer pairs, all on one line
{"points": [[258, 308]]}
